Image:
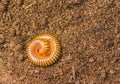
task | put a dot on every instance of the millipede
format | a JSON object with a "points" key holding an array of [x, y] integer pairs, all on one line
{"points": [[43, 50]]}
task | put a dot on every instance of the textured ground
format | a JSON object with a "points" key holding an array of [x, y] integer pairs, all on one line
{"points": [[89, 32]]}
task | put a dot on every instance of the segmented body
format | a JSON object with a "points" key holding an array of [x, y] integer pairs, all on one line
{"points": [[43, 50]]}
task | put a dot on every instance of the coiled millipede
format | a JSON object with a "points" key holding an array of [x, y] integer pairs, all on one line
{"points": [[43, 50]]}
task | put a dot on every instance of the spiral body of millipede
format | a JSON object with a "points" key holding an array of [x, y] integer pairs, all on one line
{"points": [[43, 50]]}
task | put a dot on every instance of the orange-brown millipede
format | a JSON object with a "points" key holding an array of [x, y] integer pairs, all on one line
{"points": [[43, 50]]}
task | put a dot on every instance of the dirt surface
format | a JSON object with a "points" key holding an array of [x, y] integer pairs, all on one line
{"points": [[89, 32]]}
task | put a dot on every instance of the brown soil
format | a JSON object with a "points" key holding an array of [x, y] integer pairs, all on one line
{"points": [[89, 32]]}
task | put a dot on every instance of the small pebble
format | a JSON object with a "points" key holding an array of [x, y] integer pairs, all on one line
{"points": [[79, 49], [36, 71], [2, 40], [112, 71], [5, 45], [18, 33], [92, 47], [103, 73], [68, 58], [91, 60]]}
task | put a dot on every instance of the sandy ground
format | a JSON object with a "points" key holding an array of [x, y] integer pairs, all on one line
{"points": [[89, 32]]}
